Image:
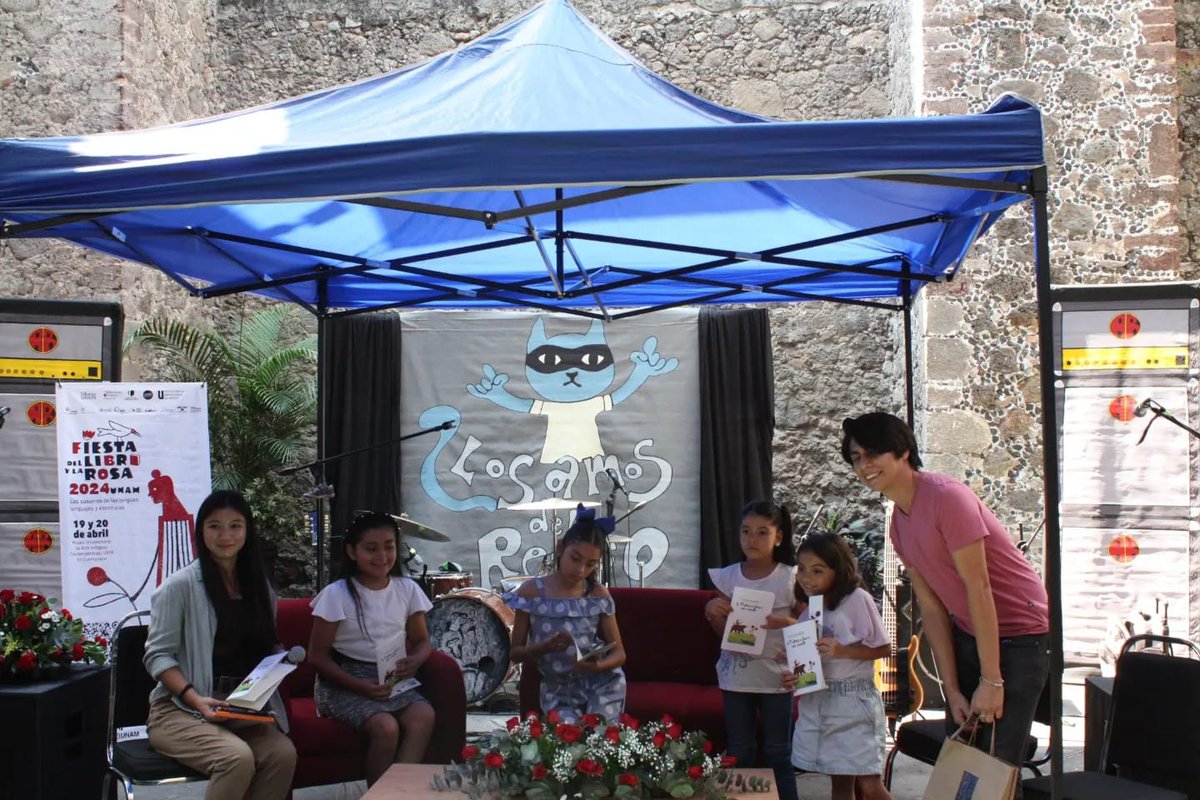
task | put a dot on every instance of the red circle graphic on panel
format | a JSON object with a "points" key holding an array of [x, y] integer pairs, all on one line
{"points": [[1125, 326], [42, 413], [1123, 549], [43, 340], [38, 540], [1122, 407]]}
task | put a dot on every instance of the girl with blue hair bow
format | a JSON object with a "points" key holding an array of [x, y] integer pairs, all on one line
{"points": [[565, 616]]}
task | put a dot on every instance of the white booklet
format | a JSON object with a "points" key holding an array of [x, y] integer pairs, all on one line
{"points": [[386, 655], [256, 688], [594, 654], [803, 658], [744, 631], [816, 610]]}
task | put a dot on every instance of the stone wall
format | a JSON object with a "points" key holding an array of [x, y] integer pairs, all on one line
{"points": [[1104, 75], [1117, 81]]}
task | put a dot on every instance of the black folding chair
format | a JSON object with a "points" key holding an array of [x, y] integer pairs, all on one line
{"points": [[922, 739], [134, 761], [1151, 747]]}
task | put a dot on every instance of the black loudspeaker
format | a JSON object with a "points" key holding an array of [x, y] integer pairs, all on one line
{"points": [[52, 736]]}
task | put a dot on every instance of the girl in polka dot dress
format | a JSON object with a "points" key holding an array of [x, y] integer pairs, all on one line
{"points": [[566, 611]]}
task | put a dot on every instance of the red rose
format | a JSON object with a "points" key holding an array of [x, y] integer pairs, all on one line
{"points": [[96, 576], [675, 731], [590, 720], [66, 614], [613, 734], [629, 721], [57, 653], [627, 779], [728, 761], [38, 599], [532, 715], [100, 640], [539, 772], [696, 773], [589, 767], [660, 739], [77, 652], [569, 733], [513, 724], [536, 729], [667, 720], [22, 623], [707, 747], [26, 662], [553, 717], [26, 598], [7, 595], [493, 761], [469, 752]]}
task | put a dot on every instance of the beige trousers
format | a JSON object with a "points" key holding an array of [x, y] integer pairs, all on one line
{"points": [[243, 760]]}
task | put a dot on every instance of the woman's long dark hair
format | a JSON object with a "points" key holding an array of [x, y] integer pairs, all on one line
{"points": [[781, 519], [251, 577], [367, 521], [836, 553]]}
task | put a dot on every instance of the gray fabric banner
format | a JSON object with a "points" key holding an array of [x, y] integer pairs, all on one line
{"points": [[544, 407]]}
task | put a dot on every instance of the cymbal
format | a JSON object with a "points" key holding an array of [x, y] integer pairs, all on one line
{"points": [[553, 504], [410, 528]]}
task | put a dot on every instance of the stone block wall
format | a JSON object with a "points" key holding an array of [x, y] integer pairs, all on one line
{"points": [[1117, 81], [1105, 75]]}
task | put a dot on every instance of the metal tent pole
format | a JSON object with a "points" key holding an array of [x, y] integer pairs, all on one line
{"points": [[909, 387], [1053, 561]]}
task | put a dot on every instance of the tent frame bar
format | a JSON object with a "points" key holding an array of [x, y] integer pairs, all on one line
{"points": [[1007, 187]]}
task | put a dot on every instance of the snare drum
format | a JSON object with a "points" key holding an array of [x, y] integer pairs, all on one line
{"points": [[474, 627], [437, 584]]}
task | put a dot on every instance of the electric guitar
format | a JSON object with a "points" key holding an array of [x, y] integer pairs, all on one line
{"points": [[895, 676]]}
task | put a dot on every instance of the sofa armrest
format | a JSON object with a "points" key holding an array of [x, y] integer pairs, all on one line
{"points": [[442, 685]]}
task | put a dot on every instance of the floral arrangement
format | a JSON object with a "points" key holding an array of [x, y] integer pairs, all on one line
{"points": [[550, 759], [34, 637]]}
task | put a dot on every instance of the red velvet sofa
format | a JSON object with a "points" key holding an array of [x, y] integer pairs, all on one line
{"points": [[671, 657], [330, 752]]}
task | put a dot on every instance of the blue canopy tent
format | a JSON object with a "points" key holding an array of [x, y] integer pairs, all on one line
{"points": [[543, 166]]}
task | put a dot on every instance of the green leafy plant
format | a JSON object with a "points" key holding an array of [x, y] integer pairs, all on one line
{"points": [[864, 538], [547, 759], [262, 401]]}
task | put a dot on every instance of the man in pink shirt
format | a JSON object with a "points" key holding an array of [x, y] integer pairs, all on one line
{"points": [[984, 608]]}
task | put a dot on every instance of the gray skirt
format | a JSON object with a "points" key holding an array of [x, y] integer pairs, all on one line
{"points": [[335, 701], [841, 730]]}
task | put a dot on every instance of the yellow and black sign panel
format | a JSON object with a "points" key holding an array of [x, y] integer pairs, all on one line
{"points": [[50, 369], [1110, 358]]}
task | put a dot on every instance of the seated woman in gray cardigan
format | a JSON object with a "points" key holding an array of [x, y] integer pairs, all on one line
{"points": [[216, 618]]}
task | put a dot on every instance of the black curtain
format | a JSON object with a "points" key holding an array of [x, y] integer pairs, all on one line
{"points": [[364, 409], [737, 425]]}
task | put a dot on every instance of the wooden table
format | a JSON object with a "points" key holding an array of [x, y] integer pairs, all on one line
{"points": [[413, 782]]}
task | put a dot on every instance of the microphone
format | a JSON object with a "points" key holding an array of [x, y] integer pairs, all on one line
{"points": [[4, 411], [296, 655], [616, 479], [414, 557], [1143, 407]]}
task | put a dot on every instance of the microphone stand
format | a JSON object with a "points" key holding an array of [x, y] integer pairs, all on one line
{"points": [[323, 492], [607, 564], [1159, 411]]}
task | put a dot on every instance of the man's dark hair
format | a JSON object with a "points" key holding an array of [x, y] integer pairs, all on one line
{"points": [[880, 432]]}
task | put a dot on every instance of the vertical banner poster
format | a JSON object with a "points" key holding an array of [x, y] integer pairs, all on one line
{"points": [[133, 467], [550, 411]]}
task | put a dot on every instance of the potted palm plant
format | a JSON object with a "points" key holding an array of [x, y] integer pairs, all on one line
{"points": [[262, 401]]}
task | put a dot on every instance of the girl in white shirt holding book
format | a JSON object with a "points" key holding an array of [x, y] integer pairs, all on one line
{"points": [[354, 620]]}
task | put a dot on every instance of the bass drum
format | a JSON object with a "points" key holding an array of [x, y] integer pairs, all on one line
{"points": [[474, 627]]}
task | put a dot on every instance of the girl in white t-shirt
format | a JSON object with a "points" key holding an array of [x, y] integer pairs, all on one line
{"points": [[752, 685], [355, 620], [840, 730]]}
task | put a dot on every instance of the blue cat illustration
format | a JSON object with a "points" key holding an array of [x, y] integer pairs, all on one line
{"points": [[572, 373]]}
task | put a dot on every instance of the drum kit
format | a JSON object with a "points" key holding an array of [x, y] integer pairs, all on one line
{"points": [[472, 624]]}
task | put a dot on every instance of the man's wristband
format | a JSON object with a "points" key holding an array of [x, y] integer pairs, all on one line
{"points": [[184, 691], [998, 684]]}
